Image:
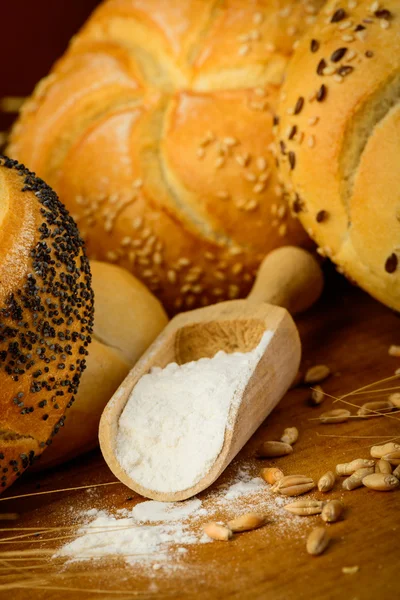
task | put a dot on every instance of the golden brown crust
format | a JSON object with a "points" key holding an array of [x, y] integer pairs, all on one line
{"points": [[46, 315], [155, 129], [340, 165]]}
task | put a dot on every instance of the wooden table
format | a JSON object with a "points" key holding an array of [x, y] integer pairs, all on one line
{"points": [[351, 333]]}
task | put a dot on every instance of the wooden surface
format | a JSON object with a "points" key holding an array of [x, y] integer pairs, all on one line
{"points": [[349, 332], [233, 326]]}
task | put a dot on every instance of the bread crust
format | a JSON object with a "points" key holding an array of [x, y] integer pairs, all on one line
{"points": [[46, 316], [341, 166], [155, 129]]}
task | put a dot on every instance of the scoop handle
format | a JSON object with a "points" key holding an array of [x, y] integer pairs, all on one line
{"points": [[290, 277]]}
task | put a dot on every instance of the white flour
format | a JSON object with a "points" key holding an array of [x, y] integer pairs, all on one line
{"points": [[156, 535], [173, 425]]}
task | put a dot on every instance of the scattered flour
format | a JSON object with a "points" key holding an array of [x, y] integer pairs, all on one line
{"points": [[173, 425], [156, 534]]}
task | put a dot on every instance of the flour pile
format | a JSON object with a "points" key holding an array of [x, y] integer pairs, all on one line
{"points": [[173, 426]]}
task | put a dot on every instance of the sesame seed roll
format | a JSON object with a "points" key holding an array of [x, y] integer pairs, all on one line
{"points": [[155, 129]]}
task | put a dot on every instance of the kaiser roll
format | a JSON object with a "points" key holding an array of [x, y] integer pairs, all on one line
{"points": [[46, 316], [155, 129], [127, 319], [338, 140]]}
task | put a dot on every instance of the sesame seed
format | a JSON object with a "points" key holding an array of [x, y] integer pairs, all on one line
{"points": [[300, 137], [259, 188], [244, 49], [255, 35], [137, 223], [278, 191], [270, 47], [391, 263], [348, 38], [185, 288], [138, 183], [338, 78], [108, 226], [338, 54], [183, 262], [230, 141], [313, 120], [252, 205], [126, 241], [310, 19], [243, 37], [291, 30], [197, 289], [329, 70], [321, 94], [220, 276], [296, 44], [209, 255], [282, 229], [351, 54], [264, 176], [352, 4], [242, 159], [233, 291], [361, 35], [298, 205], [260, 92], [292, 160], [374, 7], [258, 18], [384, 24], [111, 255], [237, 268], [369, 54], [171, 276], [281, 211], [249, 176], [261, 163], [217, 291], [274, 209], [311, 141], [223, 195], [345, 25], [157, 258], [220, 162], [200, 152], [290, 110], [314, 45], [338, 15]]}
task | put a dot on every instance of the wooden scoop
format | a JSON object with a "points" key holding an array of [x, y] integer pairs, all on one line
{"points": [[289, 276]]}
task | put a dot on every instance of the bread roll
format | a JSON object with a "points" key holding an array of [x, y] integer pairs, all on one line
{"points": [[155, 129], [127, 319], [46, 316], [339, 140]]}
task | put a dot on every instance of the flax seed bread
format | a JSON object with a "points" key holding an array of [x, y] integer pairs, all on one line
{"points": [[338, 140]]}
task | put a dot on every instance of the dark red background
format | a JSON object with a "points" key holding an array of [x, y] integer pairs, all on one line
{"points": [[34, 33]]}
